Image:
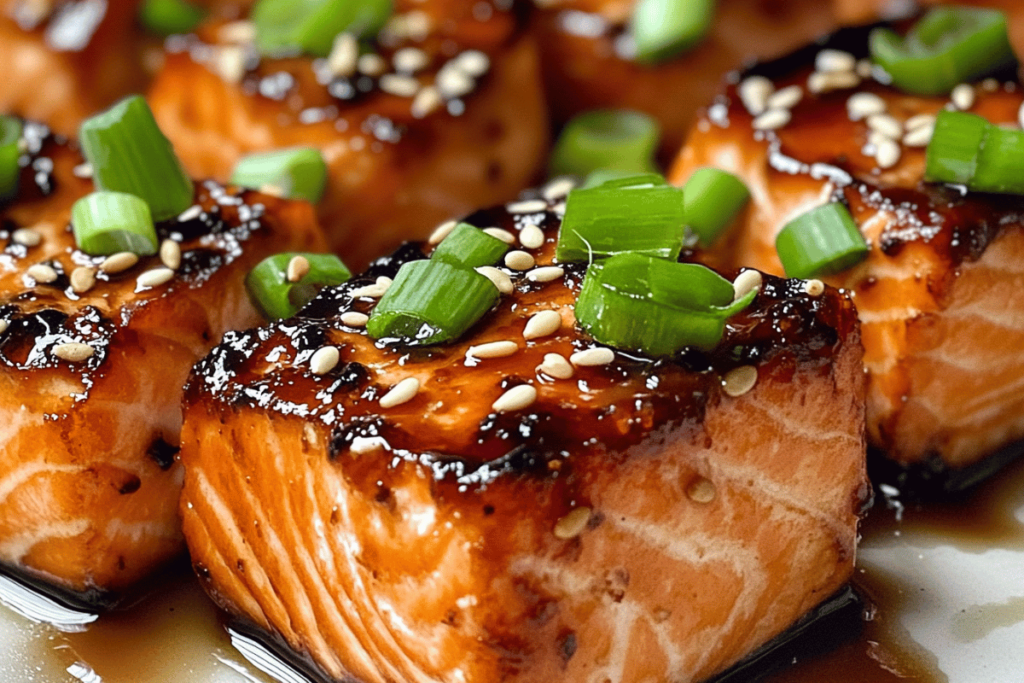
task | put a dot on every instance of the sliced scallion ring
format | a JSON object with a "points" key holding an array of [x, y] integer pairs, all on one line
{"points": [[712, 199], [310, 26], [110, 222], [613, 139], [469, 247], [167, 17], [295, 173], [662, 29], [10, 170], [276, 297], [823, 241], [952, 153], [1000, 161]]}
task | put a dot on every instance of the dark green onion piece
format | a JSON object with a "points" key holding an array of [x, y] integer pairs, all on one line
{"points": [[952, 154], [712, 199], [1000, 162], [469, 247], [128, 153], [823, 241], [110, 222], [10, 170], [310, 26], [295, 173], [167, 17], [612, 139], [949, 45], [431, 302], [605, 220], [275, 297], [663, 29]]}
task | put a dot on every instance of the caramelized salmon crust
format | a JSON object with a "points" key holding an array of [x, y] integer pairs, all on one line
{"points": [[447, 115], [93, 355], [943, 329], [637, 520]]}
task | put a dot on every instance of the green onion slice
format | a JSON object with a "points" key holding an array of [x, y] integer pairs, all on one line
{"points": [[615, 139], [469, 247], [10, 171], [610, 219], [310, 26], [128, 153], [949, 45], [167, 17], [712, 199], [663, 29], [431, 302], [1000, 162], [295, 173], [952, 154], [823, 241], [276, 297], [110, 222]]}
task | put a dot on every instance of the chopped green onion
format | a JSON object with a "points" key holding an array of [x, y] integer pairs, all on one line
{"points": [[469, 247], [167, 17], [431, 302], [712, 199], [607, 220], [627, 180], [654, 306], [952, 153], [128, 153], [276, 297], [296, 173], [604, 176], [10, 170], [615, 139], [310, 26], [663, 29], [949, 45], [823, 241], [110, 222], [1000, 162]]}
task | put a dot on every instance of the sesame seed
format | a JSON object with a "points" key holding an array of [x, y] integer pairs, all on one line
{"points": [[371, 64], [545, 274], [919, 136], [501, 234], [473, 62], [495, 349], [170, 254], [73, 351], [237, 32], [344, 55], [559, 208], [834, 60], [82, 279], [401, 393], [599, 355], [374, 291], [519, 260], [230, 63], [814, 287], [542, 324], [154, 278], [516, 398], [452, 81], [531, 237], [865, 68], [990, 85], [963, 96], [354, 319], [26, 237], [573, 524], [786, 98], [4, 324], [746, 282], [555, 365], [739, 381], [441, 231], [42, 273], [919, 121], [822, 82], [324, 360], [119, 262], [754, 92], [272, 190], [427, 101], [864, 104], [558, 188], [701, 490], [399, 85], [886, 125], [502, 281], [887, 153], [773, 119], [191, 213], [298, 268], [83, 170], [527, 206], [410, 59]]}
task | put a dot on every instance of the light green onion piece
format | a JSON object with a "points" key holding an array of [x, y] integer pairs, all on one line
{"points": [[431, 302], [612, 139], [276, 297], [469, 247], [607, 220], [167, 17], [310, 26], [663, 29], [295, 173], [10, 170], [1000, 162], [823, 241], [128, 153], [712, 199], [952, 153], [110, 222]]}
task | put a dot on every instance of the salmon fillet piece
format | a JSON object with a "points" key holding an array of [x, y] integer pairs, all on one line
{"points": [[400, 162], [942, 333], [64, 61], [88, 482], [634, 523]]}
